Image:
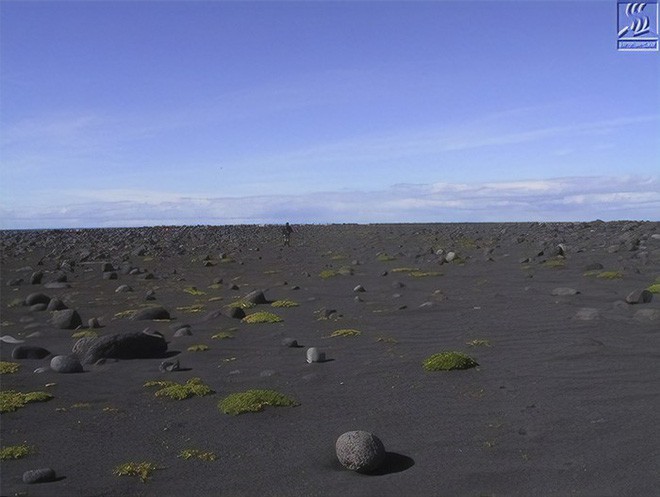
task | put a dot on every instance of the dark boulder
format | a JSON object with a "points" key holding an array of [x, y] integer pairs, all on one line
{"points": [[67, 319], [29, 352], [151, 313], [129, 345]]}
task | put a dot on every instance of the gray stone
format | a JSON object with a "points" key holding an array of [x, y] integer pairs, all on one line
{"points": [[15, 282], [639, 297], [151, 313], [289, 342], [123, 289], [109, 275], [93, 323], [107, 267], [595, 266], [564, 291], [169, 366], [29, 352], [66, 364], [37, 298], [36, 277], [647, 315], [56, 305], [184, 331], [41, 475], [359, 288], [587, 314], [67, 319], [360, 451], [256, 297], [315, 355], [129, 345], [236, 313], [450, 256], [38, 307], [82, 345]]}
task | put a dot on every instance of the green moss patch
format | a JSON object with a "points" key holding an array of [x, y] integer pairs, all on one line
{"points": [[241, 304], [177, 391], [610, 275], [331, 273], [655, 288], [9, 367], [140, 469], [126, 314], [191, 308], [11, 400], [404, 269], [192, 290], [197, 454], [254, 401], [424, 274], [447, 361], [345, 333], [223, 335], [262, 317], [14, 452], [385, 258], [285, 303], [198, 348], [555, 263], [84, 334]]}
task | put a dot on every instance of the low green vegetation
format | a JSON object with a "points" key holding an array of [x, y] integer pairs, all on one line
{"points": [[192, 290], [177, 391], [555, 263], [285, 303], [198, 348], [126, 314], [222, 335], [424, 274], [10, 400], [655, 288], [447, 361], [140, 469], [241, 304], [197, 454], [253, 401], [330, 273], [345, 333], [14, 452], [610, 275], [404, 269], [191, 308], [16, 303], [262, 317], [9, 367]]}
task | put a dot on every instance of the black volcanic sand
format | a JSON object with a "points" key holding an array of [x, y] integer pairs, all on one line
{"points": [[564, 401]]}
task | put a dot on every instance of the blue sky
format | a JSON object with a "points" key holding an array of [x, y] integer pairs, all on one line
{"points": [[132, 113]]}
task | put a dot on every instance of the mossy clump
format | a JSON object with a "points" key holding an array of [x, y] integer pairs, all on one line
{"points": [[424, 274], [9, 367], [447, 361], [10, 400], [222, 335], [655, 288], [192, 290], [197, 454], [254, 401], [610, 275], [404, 269], [241, 304], [126, 314], [345, 333], [198, 348], [328, 273], [285, 303], [14, 452], [191, 308], [177, 391], [140, 469], [84, 334], [262, 317], [555, 263]]}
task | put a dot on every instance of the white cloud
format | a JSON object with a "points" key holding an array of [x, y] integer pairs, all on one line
{"points": [[574, 198]]}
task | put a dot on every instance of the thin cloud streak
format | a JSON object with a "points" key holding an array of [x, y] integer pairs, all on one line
{"points": [[575, 199]]}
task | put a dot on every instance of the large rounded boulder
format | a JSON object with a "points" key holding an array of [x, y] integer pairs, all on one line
{"points": [[66, 319], [360, 451], [151, 313], [66, 364], [130, 345]]}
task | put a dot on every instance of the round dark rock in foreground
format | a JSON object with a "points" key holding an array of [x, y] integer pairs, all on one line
{"points": [[150, 313], [360, 451], [42, 475], [37, 298], [66, 364], [130, 345], [639, 297], [67, 319], [29, 352]]}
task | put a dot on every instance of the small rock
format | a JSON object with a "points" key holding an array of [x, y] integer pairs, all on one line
{"points": [[595, 266], [169, 366], [107, 267], [564, 291], [38, 307], [236, 313], [93, 323], [183, 332], [450, 256], [15, 282], [289, 342], [123, 289], [587, 314], [66, 364], [360, 451], [36, 277], [67, 319], [150, 295], [42, 475], [639, 297], [359, 288], [256, 297], [37, 298], [646, 315], [109, 275], [315, 355], [56, 305]]}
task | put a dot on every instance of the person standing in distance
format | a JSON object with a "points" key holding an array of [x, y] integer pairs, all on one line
{"points": [[286, 231]]}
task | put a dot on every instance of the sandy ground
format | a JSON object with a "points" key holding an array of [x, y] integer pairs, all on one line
{"points": [[564, 401]]}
